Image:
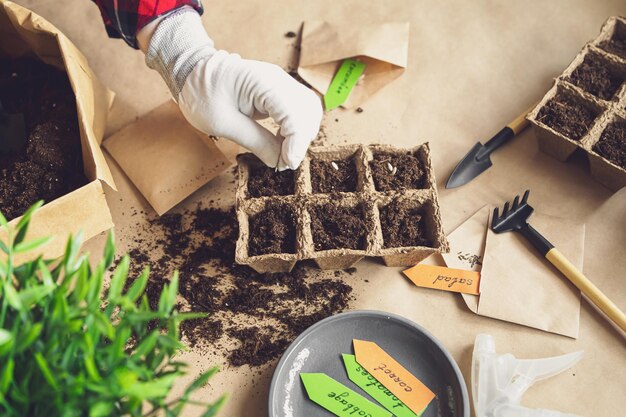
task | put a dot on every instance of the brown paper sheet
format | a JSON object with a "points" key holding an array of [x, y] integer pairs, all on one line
{"points": [[383, 48], [463, 56], [23, 33], [165, 157], [518, 285]]}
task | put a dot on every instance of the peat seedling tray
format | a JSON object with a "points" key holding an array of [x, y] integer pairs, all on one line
{"points": [[344, 203], [586, 108]]}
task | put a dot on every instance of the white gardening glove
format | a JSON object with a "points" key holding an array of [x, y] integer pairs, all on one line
{"points": [[222, 94]]}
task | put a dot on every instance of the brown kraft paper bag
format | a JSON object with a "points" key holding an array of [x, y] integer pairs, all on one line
{"points": [[383, 48], [25, 34], [166, 158], [517, 284]]}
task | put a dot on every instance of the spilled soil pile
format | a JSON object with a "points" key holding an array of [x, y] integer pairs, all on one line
{"points": [[252, 317]]}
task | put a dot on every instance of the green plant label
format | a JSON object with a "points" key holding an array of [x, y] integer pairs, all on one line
{"points": [[343, 83], [339, 399], [375, 389]]}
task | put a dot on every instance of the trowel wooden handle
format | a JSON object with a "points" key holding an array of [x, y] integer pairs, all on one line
{"points": [[601, 301], [520, 123]]}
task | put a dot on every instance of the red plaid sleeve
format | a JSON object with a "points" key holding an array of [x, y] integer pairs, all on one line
{"points": [[124, 18]]}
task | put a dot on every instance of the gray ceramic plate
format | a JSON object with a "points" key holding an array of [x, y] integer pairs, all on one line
{"points": [[319, 349]]}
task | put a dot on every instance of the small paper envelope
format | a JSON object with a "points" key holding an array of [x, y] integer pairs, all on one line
{"points": [[383, 48], [517, 284], [166, 158]]}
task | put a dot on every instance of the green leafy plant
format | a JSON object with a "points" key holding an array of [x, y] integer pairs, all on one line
{"points": [[69, 348]]}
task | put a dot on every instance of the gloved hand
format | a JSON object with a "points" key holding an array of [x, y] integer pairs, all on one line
{"points": [[222, 94]]}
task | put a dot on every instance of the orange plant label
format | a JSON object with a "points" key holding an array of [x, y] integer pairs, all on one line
{"points": [[446, 279], [406, 387]]}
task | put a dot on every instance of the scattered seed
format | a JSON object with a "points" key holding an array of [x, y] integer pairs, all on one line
{"points": [[359, 110], [390, 167], [395, 169], [335, 166], [290, 34]]}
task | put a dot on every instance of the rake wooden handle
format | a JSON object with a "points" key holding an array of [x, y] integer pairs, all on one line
{"points": [[577, 278]]}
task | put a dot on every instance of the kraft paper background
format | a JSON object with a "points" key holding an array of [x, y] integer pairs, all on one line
{"points": [[472, 68]]}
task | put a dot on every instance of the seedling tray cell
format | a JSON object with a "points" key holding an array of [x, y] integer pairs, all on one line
{"points": [[337, 207], [592, 87]]}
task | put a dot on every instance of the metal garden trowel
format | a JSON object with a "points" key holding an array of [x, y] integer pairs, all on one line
{"points": [[515, 216], [12, 131], [477, 159]]}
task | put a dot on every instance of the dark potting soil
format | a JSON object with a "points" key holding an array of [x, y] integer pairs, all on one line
{"points": [[337, 227], [49, 164], [252, 317], [568, 117], [403, 225], [397, 171], [595, 77], [333, 176], [266, 182], [617, 44], [273, 230], [612, 144]]}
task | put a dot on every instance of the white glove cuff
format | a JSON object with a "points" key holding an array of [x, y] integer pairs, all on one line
{"points": [[177, 45]]}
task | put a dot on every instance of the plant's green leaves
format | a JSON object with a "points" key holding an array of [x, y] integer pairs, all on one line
{"points": [[125, 378], [12, 297], [71, 251], [6, 337], [154, 389], [172, 291], [147, 345], [89, 353], [45, 370], [6, 376], [170, 342], [109, 250], [31, 245], [34, 295], [7, 341], [140, 317], [202, 380], [95, 287], [119, 278], [3, 221], [163, 300], [104, 325], [4, 247], [101, 409], [27, 338], [92, 369], [189, 316], [45, 273], [139, 286], [22, 225], [213, 409], [81, 287]]}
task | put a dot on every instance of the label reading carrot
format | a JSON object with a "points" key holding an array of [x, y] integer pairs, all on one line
{"points": [[406, 387]]}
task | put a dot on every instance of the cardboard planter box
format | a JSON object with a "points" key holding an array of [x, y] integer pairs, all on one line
{"points": [[315, 197], [24, 34], [602, 104]]}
